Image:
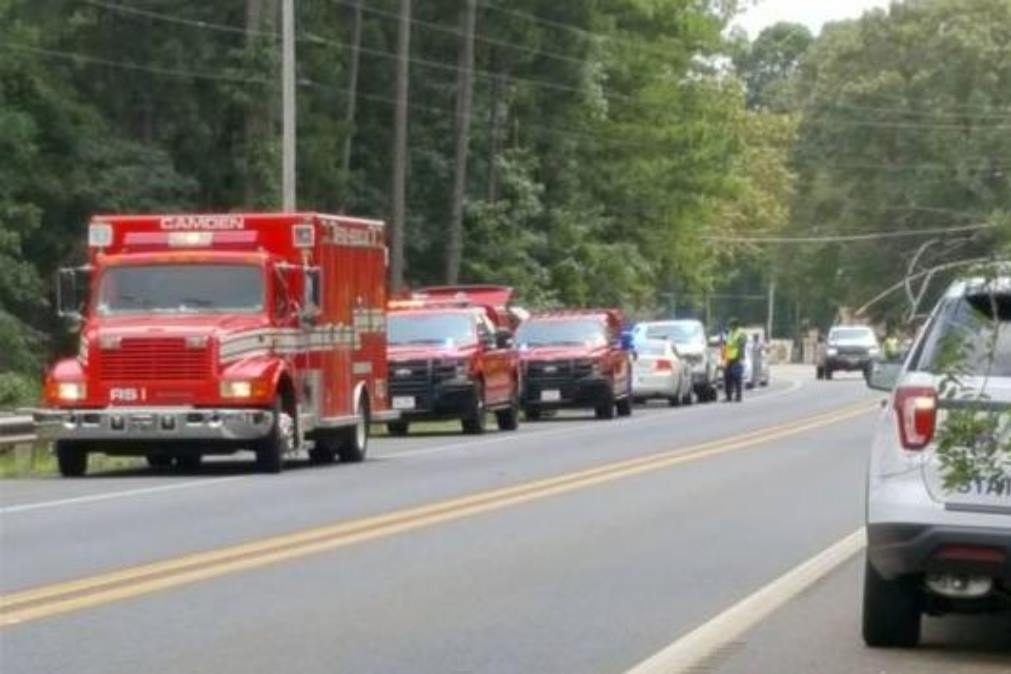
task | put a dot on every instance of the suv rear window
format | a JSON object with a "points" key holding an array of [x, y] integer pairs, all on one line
{"points": [[971, 335]]}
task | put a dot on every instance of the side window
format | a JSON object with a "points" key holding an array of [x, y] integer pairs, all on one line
{"points": [[929, 339]]}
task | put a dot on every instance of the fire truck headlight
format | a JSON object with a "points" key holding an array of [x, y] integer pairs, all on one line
{"points": [[71, 391], [237, 389]]}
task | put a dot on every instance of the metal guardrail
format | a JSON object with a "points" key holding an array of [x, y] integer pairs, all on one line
{"points": [[16, 430]]}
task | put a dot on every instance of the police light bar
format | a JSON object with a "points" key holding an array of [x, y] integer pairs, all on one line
{"points": [[99, 235]]}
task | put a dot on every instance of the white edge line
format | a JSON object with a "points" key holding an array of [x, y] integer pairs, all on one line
{"points": [[652, 418], [42, 505], [690, 651]]}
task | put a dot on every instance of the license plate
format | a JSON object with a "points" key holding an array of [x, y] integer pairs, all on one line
{"points": [[404, 403], [551, 396]]}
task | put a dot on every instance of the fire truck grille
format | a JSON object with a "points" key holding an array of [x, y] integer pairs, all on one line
{"points": [[165, 359]]}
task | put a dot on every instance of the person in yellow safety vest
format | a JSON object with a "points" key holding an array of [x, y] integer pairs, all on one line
{"points": [[733, 359], [893, 348]]}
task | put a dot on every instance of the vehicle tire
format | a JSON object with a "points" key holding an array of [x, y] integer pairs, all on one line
{"points": [[71, 458], [688, 400], [398, 428], [624, 407], [509, 419], [605, 408], [159, 461], [189, 461], [819, 372], [271, 449], [674, 401], [476, 421], [828, 373], [354, 441], [868, 372], [892, 610], [533, 414]]}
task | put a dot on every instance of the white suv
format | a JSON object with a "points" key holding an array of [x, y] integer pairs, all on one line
{"points": [[936, 546]]}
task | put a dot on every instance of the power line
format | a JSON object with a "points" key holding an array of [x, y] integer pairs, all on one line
{"points": [[1003, 116], [172, 18], [310, 38], [303, 82], [128, 65], [842, 238], [477, 36]]}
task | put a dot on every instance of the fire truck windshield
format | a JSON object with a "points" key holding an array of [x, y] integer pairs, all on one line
{"points": [[451, 329], [561, 333], [182, 289]]}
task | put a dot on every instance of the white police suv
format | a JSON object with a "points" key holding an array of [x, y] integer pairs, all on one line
{"points": [[939, 481]]}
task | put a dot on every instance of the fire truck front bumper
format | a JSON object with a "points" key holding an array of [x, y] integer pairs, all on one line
{"points": [[154, 424]]}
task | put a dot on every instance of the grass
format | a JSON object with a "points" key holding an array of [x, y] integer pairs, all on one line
{"points": [[39, 461]]}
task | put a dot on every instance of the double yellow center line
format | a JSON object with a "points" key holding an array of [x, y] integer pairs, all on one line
{"points": [[51, 600]]}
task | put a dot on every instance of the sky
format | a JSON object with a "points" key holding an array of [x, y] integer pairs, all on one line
{"points": [[812, 13]]}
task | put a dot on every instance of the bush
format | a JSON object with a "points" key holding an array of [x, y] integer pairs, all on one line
{"points": [[18, 390]]}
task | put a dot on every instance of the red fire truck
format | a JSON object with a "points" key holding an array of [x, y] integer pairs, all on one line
{"points": [[209, 334], [575, 359], [451, 356]]}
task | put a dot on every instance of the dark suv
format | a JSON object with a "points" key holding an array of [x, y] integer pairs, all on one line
{"points": [[849, 348]]}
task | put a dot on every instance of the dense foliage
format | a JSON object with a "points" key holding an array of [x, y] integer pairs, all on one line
{"points": [[618, 149], [905, 120]]}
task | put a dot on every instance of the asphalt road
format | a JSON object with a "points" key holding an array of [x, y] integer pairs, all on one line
{"points": [[570, 546]]}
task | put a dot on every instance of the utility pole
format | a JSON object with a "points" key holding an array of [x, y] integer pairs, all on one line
{"points": [[464, 97], [771, 311], [399, 198], [349, 114], [288, 104]]}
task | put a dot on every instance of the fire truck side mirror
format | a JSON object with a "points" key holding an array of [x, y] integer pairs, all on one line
{"points": [[72, 286]]}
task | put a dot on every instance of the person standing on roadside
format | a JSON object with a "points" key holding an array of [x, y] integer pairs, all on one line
{"points": [[733, 358]]}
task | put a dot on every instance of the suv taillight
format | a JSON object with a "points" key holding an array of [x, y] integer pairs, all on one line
{"points": [[917, 411]]}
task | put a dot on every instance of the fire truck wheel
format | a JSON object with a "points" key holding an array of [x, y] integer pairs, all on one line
{"points": [[398, 428], [476, 422], [355, 440], [271, 449], [72, 459], [509, 418], [624, 407], [159, 461]]}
